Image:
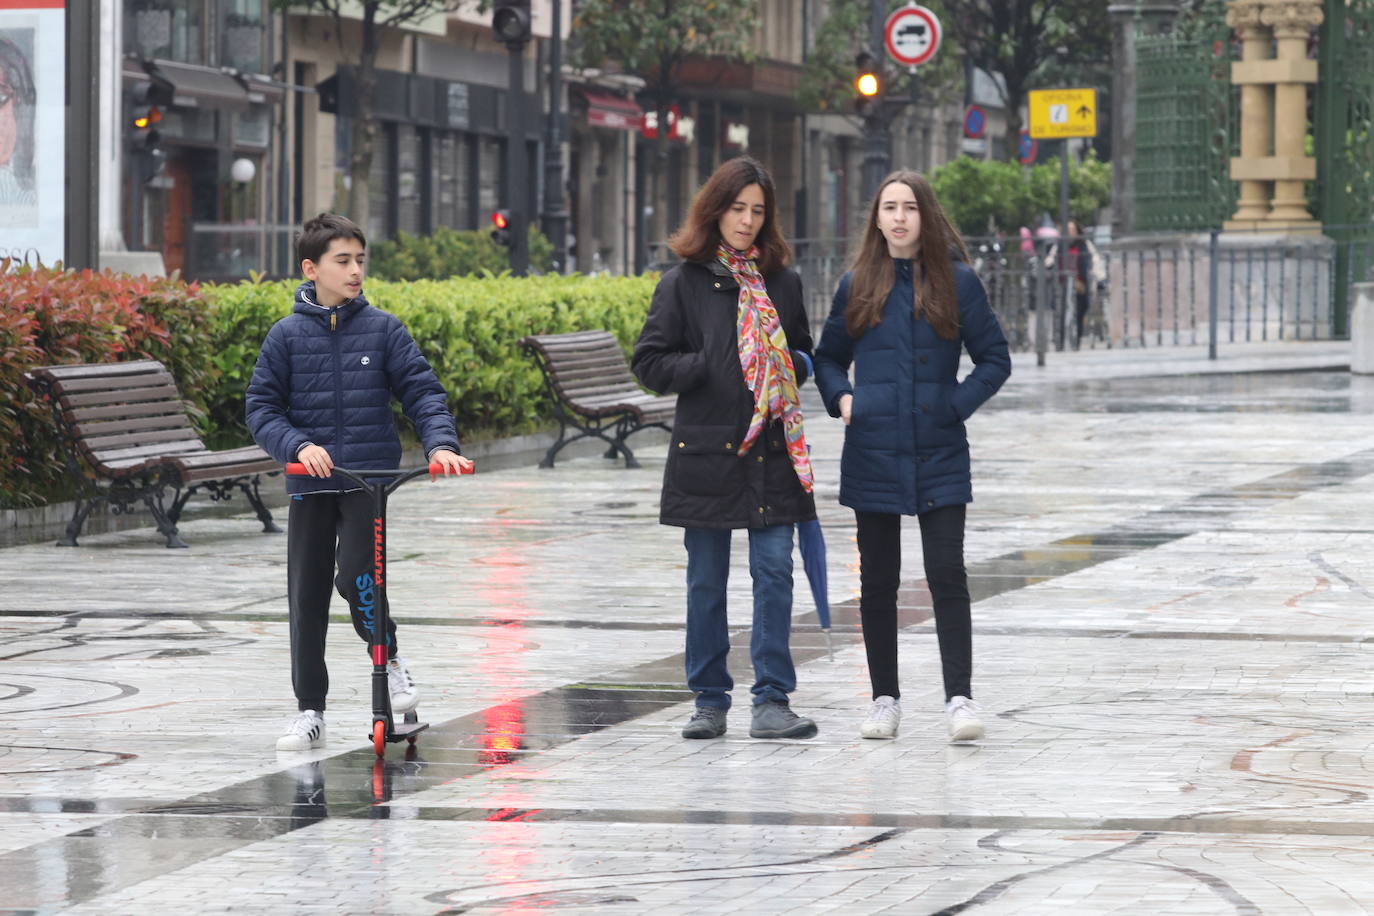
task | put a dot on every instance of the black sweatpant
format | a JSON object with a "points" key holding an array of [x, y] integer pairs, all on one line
{"points": [[880, 573], [325, 531]]}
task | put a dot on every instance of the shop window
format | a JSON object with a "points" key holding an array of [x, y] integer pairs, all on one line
{"points": [[243, 35], [451, 164], [379, 197], [167, 29], [253, 127], [491, 171], [407, 179]]}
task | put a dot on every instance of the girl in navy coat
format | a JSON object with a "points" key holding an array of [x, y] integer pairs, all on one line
{"points": [[901, 316]]}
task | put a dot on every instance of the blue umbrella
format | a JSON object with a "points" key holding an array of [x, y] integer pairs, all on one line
{"points": [[812, 543]]}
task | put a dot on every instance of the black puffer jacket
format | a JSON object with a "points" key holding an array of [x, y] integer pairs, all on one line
{"points": [[689, 348]]}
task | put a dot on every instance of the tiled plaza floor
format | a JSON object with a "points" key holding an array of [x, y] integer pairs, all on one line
{"points": [[1174, 641]]}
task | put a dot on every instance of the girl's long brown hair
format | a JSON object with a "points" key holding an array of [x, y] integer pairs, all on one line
{"points": [[874, 273], [699, 235]]}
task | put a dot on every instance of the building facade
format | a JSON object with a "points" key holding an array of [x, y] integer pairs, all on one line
{"points": [[257, 109]]}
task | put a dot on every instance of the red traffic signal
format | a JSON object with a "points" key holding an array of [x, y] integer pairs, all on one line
{"points": [[501, 234]]}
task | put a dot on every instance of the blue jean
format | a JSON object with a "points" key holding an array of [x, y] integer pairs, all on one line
{"points": [[708, 637]]}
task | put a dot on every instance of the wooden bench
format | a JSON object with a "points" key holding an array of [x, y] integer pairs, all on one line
{"points": [[126, 439], [594, 391]]}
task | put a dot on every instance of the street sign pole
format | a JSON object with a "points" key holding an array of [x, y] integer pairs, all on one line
{"points": [[1064, 321], [1062, 114], [877, 155]]}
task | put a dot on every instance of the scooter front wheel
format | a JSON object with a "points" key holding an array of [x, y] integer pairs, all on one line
{"points": [[379, 737]]}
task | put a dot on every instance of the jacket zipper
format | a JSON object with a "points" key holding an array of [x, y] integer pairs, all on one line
{"points": [[338, 386]]}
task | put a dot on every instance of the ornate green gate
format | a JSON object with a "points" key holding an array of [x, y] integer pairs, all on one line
{"points": [[1345, 143], [1185, 124]]}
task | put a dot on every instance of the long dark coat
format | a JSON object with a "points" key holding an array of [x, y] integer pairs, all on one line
{"points": [[689, 347]]}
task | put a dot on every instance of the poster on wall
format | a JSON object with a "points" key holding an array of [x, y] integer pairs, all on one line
{"points": [[32, 124]]}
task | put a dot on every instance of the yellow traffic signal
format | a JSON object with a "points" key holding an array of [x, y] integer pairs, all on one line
{"points": [[868, 84]]}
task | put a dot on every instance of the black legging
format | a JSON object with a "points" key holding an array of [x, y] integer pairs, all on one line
{"points": [[880, 573]]}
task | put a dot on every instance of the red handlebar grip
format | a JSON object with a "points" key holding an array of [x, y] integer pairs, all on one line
{"points": [[295, 468], [437, 470]]}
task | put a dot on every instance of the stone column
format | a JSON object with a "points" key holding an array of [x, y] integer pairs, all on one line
{"points": [[1130, 20], [1252, 74], [1292, 22]]}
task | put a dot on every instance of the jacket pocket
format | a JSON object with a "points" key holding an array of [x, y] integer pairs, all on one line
{"points": [[705, 461], [949, 414]]}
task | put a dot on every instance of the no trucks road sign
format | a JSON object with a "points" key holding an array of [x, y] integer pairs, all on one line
{"points": [[912, 35]]}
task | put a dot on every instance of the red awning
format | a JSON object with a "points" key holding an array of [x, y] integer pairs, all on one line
{"points": [[612, 111]]}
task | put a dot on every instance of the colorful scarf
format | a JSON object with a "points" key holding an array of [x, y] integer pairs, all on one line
{"points": [[766, 361]]}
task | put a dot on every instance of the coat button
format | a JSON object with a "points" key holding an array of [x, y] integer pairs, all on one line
{"points": [[729, 445], [682, 445], [925, 408], [717, 284], [930, 502], [759, 459], [760, 510]]}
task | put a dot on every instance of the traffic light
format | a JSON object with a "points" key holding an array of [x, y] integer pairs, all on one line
{"points": [[511, 21], [501, 234], [868, 83], [144, 117]]}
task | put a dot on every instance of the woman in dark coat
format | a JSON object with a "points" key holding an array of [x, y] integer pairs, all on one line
{"points": [[901, 316], [727, 333]]}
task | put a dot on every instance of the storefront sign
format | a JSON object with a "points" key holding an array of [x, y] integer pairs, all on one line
{"points": [[33, 59], [649, 127]]}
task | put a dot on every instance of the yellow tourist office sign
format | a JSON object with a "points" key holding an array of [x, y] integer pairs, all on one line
{"points": [[1057, 114]]}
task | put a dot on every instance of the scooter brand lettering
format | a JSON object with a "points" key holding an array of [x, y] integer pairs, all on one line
{"points": [[377, 543], [367, 600]]}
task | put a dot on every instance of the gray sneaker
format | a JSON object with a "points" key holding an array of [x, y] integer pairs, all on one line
{"points": [[706, 722], [777, 720]]}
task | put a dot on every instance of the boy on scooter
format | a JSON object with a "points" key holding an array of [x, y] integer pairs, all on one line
{"points": [[321, 394]]}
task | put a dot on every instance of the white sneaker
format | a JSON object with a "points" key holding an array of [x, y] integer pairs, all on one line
{"points": [[964, 724], [404, 694], [305, 732], [883, 718]]}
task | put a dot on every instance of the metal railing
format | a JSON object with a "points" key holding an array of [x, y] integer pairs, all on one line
{"points": [[1149, 291]]}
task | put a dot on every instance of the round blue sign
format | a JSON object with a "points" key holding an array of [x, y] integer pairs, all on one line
{"points": [[975, 122], [1027, 148]]}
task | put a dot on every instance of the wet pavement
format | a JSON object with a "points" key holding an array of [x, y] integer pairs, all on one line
{"points": [[1174, 631]]}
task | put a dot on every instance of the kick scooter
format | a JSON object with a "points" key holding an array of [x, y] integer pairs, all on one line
{"points": [[384, 730]]}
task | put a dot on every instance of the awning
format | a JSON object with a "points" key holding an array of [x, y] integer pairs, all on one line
{"points": [[611, 111], [203, 87]]}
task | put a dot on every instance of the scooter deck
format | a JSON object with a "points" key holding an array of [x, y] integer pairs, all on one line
{"points": [[404, 730]]}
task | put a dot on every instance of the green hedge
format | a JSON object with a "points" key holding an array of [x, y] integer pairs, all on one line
{"points": [[450, 253], [468, 327]]}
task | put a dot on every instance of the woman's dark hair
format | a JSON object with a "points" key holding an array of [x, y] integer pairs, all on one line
{"points": [[699, 235], [18, 75], [317, 233], [874, 273]]}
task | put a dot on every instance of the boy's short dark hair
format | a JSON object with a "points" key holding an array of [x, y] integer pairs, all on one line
{"points": [[317, 233]]}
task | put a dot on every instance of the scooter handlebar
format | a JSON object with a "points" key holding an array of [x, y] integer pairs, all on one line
{"points": [[297, 469]]}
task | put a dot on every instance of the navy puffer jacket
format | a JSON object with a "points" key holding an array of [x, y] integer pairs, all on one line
{"points": [[327, 376], [905, 449]]}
